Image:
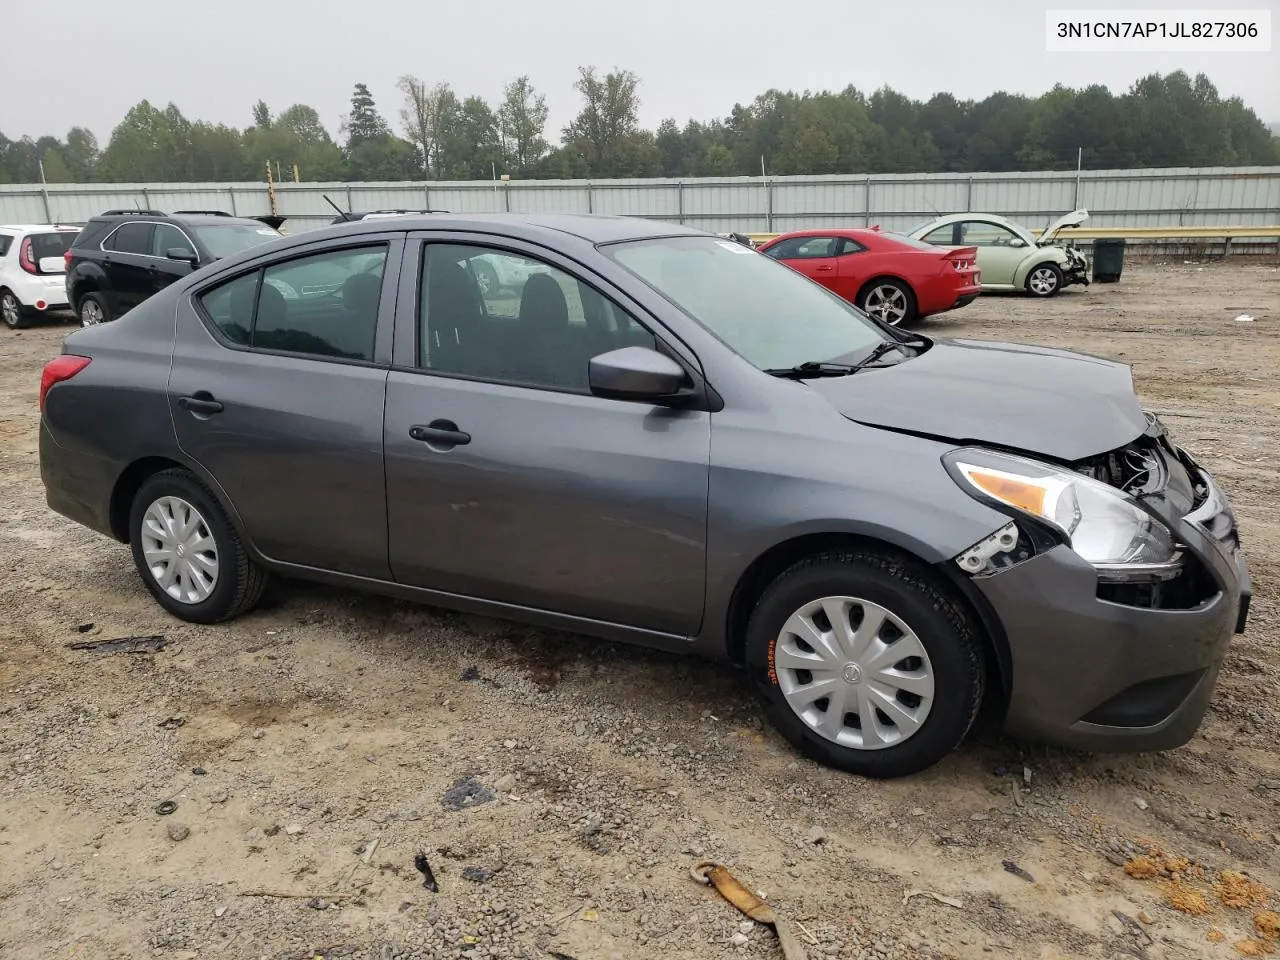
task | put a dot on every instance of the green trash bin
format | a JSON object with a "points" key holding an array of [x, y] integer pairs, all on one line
{"points": [[1108, 259]]}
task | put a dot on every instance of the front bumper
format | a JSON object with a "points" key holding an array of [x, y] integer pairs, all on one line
{"points": [[1075, 271], [1093, 674]]}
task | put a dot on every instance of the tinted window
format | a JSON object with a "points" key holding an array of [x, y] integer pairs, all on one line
{"points": [[5, 241], [326, 304], [51, 244], [230, 307], [848, 246], [805, 248], [132, 238], [168, 237], [752, 304], [505, 317]]}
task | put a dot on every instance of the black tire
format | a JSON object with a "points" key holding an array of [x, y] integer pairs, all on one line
{"points": [[239, 582], [97, 300], [1054, 280], [911, 593], [487, 278], [12, 311], [911, 313]]}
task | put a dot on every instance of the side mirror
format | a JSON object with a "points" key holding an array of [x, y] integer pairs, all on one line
{"points": [[637, 373], [1017, 242], [183, 254]]}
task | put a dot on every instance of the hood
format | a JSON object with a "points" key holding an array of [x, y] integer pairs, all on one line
{"points": [[1065, 406], [1072, 219]]}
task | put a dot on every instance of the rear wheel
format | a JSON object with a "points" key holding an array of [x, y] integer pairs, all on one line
{"points": [[890, 301], [188, 553], [93, 310], [864, 663], [12, 311], [1044, 280]]}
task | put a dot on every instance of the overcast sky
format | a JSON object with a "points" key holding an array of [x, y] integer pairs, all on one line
{"points": [[86, 62]]}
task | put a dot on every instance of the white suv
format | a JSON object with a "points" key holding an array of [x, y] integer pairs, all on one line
{"points": [[33, 271]]}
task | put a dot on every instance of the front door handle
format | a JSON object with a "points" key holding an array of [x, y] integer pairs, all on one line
{"points": [[200, 403], [825, 269], [441, 434]]}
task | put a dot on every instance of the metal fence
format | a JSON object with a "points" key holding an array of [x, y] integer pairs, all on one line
{"points": [[1210, 196]]}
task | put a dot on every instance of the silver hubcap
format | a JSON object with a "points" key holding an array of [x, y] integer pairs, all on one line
{"points": [[179, 550], [90, 313], [854, 673], [486, 282], [888, 304], [1043, 281], [9, 309]]}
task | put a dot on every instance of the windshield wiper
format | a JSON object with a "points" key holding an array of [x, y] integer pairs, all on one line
{"points": [[813, 368], [878, 351]]}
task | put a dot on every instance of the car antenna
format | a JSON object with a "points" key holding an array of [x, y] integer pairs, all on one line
{"points": [[344, 216]]}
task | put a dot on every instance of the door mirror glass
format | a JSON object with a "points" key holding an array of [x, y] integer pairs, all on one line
{"points": [[183, 254], [636, 373], [1017, 242]]}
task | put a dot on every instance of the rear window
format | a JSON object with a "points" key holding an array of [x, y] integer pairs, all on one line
{"points": [[51, 244], [5, 241], [228, 239], [907, 241]]}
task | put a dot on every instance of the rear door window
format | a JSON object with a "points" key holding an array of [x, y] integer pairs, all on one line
{"points": [[132, 238]]}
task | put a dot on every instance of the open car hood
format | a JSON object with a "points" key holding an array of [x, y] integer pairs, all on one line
{"points": [[1060, 405], [1072, 219]]}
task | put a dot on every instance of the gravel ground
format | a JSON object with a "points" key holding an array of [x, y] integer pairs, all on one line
{"points": [[313, 748]]}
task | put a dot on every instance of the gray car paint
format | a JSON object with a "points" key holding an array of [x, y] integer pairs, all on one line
{"points": [[611, 518]]}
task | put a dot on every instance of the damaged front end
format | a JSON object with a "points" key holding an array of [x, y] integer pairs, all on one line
{"points": [[1148, 519], [1076, 269]]}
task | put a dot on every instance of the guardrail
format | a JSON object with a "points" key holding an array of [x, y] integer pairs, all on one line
{"points": [[1226, 234]]}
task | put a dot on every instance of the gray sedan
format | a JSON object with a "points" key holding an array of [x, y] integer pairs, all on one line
{"points": [[663, 437]]}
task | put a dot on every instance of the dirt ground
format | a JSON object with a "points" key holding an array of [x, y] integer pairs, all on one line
{"points": [[309, 747]]}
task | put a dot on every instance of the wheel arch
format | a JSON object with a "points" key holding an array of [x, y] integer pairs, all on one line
{"points": [[1030, 263], [136, 474], [872, 281], [762, 571]]}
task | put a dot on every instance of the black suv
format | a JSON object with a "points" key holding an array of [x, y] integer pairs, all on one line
{"points": [[125, 256]]}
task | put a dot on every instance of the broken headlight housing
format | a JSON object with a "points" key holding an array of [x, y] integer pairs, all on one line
{"points": [[1101, 523]]}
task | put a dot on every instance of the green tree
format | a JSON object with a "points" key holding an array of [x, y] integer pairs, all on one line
{"points": [[605, 130], [522, 122], [144, 148], [82, 155], [364, 122], [472, 146]]}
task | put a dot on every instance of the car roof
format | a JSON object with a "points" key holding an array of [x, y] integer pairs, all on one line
{"points": [[971, 215], [195, 219], [593, 228], [39, 227]]}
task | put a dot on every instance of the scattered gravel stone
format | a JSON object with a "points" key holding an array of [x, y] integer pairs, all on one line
{"points": [[178, 831]]}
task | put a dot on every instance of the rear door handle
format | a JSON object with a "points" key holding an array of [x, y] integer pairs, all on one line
{"points": [[201, 403], [440, 433]]}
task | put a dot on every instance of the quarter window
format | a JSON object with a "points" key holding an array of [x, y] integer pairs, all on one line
{"points": [[5, 241], [324, 305], [509, 318]]}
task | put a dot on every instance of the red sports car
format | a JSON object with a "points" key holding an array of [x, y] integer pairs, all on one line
{"points": [[893, 278]]}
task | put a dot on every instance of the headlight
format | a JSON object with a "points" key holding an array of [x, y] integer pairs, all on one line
{"points": [[1100, 523]]}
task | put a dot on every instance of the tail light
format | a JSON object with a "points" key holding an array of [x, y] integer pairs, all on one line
{"points": [[66, 259], [57, 370], [25, 259]]}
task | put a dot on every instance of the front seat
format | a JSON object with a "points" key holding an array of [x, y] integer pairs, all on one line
{"points": [[454, 314], [545, 336], [360, 296]]}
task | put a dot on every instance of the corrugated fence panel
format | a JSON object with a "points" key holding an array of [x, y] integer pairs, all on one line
{"points": [[1213, 196]]}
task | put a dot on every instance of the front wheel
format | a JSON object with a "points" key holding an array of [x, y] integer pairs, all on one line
{"points": [[188, 553], [12, 311], [865, 664], [889, 301], [1044, 280]]}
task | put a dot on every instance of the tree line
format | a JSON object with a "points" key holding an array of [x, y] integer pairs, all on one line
{"points": [[1162, 120]]}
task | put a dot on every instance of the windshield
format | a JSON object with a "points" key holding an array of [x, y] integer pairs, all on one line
{"points": [[228, 239], [763, 310]]}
